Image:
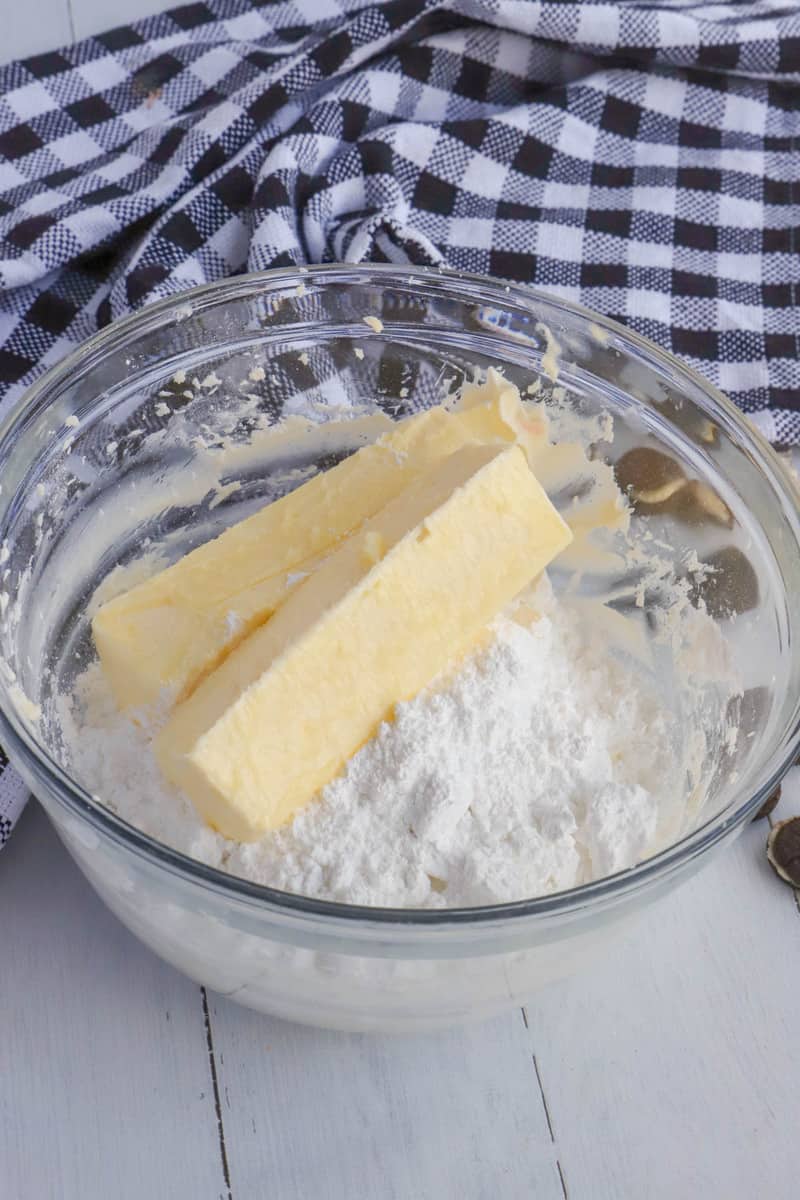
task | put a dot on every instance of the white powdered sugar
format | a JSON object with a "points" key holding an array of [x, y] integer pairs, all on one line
{"points": [[543, 762]]}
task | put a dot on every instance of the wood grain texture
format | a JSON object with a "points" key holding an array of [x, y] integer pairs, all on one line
{"points": [[105, 1088], [334, 1116], [670, 1072], [673, 1071]]}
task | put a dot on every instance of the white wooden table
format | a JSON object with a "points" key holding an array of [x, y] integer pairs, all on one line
{"points": [[672, 1071], [669, 1072]]}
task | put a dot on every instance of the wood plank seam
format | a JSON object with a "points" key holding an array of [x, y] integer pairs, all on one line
{"points": [[212, 1062], [546, 1112]]}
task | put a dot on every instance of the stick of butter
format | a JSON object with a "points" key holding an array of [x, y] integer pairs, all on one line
{"points": [[167, 633], [172, 629], [398, 602]]}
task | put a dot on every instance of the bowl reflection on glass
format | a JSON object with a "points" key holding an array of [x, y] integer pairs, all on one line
{"points": [[78, 499]]}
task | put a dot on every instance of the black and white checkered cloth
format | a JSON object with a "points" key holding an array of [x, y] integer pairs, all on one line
{"points": [[641, 158]]}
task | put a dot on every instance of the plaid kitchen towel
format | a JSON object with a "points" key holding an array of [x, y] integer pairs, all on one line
{"points": [[641, 158]]}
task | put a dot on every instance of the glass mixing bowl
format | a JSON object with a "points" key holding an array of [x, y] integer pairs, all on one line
{"points": [[83, 487]]}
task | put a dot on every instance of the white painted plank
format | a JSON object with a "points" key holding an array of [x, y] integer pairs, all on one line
{"points": [[95, 16], [673, 1071], [338, 1116], [105, 1087], [669, 1073], [36, 26]]}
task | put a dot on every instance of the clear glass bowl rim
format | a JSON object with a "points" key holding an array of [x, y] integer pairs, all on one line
{"points": [[468, 287]]}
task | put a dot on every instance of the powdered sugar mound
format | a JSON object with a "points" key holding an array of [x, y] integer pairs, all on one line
{"points": [[521, 777], [543, 762], [112, 757]]}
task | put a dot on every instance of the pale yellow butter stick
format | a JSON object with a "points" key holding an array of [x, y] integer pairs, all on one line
{"points": [[167, 633], [398, 602]]}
